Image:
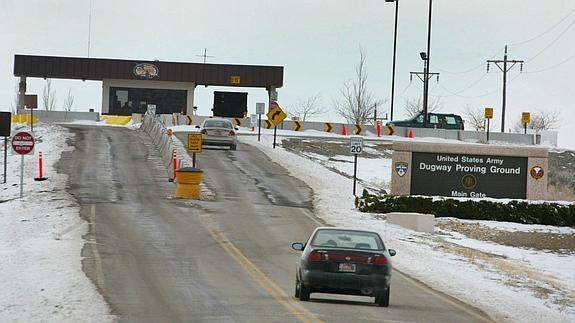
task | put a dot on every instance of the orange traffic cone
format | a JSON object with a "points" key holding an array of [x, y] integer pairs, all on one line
{"points": [[343, 131], [410, 133]]}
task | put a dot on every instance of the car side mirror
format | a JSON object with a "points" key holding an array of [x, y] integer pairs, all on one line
{"points": [[392, 252], [197, 127], [297, 246]]}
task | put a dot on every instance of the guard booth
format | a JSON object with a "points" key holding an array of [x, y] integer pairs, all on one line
{"points": [[129, 86]]}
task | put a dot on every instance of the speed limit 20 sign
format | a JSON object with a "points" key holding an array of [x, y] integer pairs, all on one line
{"points": [[356, 145]]}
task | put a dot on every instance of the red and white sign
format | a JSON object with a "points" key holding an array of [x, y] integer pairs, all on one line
{"points": [[23, 143]]}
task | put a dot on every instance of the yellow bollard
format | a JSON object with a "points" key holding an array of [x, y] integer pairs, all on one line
{"points": [[188, 181]]}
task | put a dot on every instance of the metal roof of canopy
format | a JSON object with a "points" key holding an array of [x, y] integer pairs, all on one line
{"points": [[100, 68]]}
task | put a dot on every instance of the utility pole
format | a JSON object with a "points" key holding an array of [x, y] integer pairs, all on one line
{"points": [[504, 68], [421, 76], [426, 70]]}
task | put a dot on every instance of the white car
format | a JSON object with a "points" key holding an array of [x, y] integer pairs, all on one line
{"points": [[218, 132]]}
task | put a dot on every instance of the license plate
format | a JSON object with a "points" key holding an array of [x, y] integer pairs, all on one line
{"points": [[218, 133], [347, 268]]}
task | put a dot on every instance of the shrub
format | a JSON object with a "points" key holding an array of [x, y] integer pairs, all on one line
{"points": [[513, 211]]}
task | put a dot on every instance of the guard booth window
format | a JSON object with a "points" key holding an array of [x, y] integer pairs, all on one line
{"points": [[125, 101]]}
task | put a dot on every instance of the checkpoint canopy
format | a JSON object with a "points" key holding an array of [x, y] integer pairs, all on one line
{"points": [[130, 85]]}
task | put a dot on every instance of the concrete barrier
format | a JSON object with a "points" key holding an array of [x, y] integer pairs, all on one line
{"points": [[61, 116], [414, 221]]}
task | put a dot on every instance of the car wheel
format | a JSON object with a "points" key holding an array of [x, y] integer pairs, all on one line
{"points": [[382, 299], [296, 294], [233, 147], [303, 292]]}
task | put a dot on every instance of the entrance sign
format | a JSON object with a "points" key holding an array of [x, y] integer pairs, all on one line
{"points": [[459, 175], [23, 143]]}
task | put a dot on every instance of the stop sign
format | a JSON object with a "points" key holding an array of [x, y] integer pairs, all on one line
{"points": [[23, 143]]}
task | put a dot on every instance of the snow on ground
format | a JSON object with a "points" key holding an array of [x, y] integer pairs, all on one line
{"points": [[510, 284], [41, 242]]}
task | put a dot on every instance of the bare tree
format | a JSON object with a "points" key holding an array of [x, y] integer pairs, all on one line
{"points": [[540, 120], [307, 108], [414, 107], [69, 102], [357, 103], [475, 118], [49, 96], [15, 100]]}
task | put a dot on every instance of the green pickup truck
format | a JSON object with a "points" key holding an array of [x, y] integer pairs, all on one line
{"points": [[434, 120]]}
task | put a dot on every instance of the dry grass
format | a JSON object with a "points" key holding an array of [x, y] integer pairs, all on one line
{"points": [[516, 275]]}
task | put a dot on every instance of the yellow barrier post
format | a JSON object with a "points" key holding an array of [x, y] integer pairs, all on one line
{"points": [[188, 181]]}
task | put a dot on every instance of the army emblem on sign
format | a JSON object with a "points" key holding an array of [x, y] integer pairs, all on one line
{"points": [[537, 172], [469, 181], [401, 168]]}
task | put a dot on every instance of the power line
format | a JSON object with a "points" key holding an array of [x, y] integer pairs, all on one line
{"points": [[472, 68], [545, 32], [550, 67], [553, 41]]}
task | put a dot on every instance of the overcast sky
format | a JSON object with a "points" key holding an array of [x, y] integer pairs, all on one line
{"points": [[317, 42]]}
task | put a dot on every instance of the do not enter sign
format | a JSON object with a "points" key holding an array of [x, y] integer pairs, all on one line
{"points": [[23, 143]]}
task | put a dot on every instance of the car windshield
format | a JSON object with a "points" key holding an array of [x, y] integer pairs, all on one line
{"points": [[218, 124], [347, 239]]}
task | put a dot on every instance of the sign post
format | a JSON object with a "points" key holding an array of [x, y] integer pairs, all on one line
{"points": [[194, 145], [22, 144], [276, 115], [31, 102], [260, 109], [525, 119], [488, 116], [356, 148], [5, 126]]}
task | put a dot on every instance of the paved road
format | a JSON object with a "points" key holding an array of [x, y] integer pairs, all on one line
{"points": [[157, 259]]}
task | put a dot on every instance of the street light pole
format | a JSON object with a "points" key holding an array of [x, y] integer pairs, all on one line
{"points": [[426, 71], [394, 53]]}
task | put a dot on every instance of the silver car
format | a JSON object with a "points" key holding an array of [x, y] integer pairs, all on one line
{"points": [[218, 132]]}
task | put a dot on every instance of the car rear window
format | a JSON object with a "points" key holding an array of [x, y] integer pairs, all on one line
{"points": [[450, 120], [347, 239], [218, 124]]}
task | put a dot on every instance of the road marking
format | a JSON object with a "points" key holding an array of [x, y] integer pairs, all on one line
{"points": [[421, 286], [278, 294]]}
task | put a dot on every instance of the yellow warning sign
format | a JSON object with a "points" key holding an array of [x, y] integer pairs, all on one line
{"points": [[357, 129], [276, 115], [297, 126], [195, 142]]}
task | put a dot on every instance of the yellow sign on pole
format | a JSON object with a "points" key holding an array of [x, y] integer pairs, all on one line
{"points": [[276, 115], [267, 124], [389, 130], [357, 129], [488, 113], [525, 117], [195, 142], [327, 127]]}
